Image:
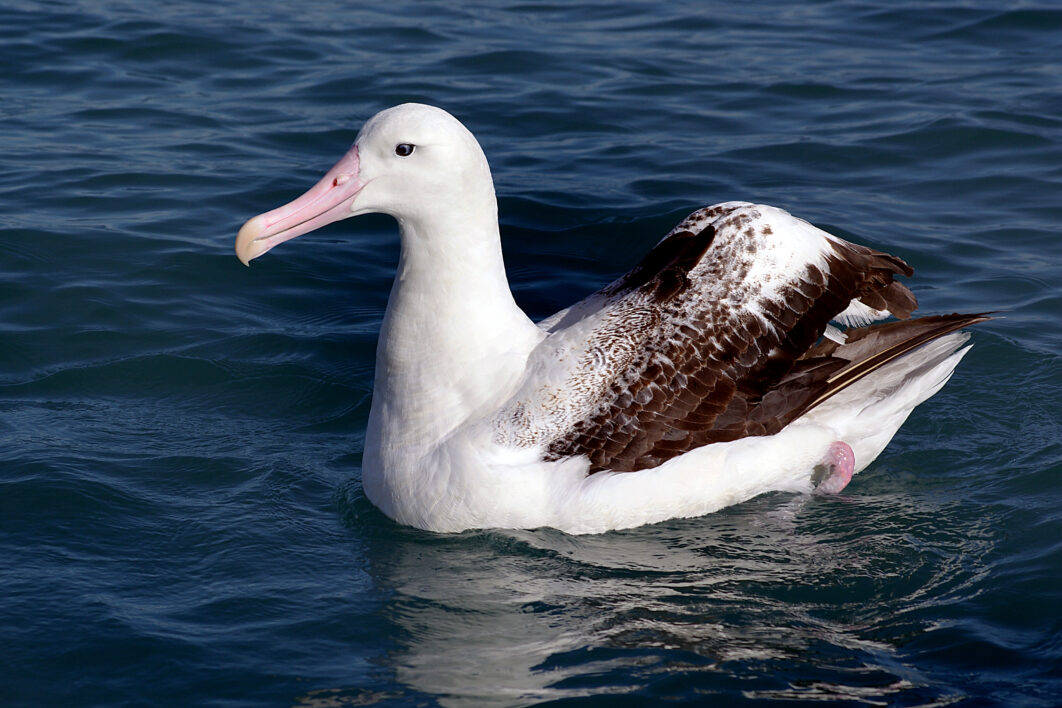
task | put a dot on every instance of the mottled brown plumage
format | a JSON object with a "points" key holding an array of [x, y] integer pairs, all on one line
{"points": [[723, 358]]}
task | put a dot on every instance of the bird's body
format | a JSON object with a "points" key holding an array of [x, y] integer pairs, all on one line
{"points": [[699, 379]]}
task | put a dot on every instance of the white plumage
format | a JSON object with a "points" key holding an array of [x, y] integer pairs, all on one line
{"points": [[695, 381]]}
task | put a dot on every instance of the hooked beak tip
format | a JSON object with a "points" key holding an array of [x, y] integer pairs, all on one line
{"points": [[247, 245]]}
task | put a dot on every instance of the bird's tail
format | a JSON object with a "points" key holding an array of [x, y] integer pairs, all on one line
{"points": [[890, 369]]}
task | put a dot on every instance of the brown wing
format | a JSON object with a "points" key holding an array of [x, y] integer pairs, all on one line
{"points": [[731, 356]]}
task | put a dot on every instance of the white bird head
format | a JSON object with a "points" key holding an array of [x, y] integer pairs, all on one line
{"points": [[413, 162]]}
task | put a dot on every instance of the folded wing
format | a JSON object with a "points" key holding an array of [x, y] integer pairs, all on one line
{"points": [[714, 336]]}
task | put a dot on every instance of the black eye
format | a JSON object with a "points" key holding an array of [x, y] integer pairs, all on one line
{"points": [[404, 149]]}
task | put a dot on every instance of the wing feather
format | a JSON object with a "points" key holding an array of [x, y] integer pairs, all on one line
{"points": [[711, 337]]}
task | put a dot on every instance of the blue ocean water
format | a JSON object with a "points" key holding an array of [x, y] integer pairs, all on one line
{"points": [[181, 517]]}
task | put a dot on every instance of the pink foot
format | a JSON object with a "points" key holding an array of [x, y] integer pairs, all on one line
{"points": [[835, 471]]}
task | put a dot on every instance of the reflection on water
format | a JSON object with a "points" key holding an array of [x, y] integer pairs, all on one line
{"points": [[739, 600]]}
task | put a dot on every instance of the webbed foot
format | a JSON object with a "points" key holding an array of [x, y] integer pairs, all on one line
{"points": [[835, 470]]}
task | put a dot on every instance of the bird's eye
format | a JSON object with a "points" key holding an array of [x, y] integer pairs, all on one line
{"points": [[404, 149]]}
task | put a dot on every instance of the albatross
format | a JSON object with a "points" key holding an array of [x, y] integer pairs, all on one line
{"points": [[744, 354]]}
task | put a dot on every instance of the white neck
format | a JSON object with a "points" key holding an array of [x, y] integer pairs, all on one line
{"points": [[453, 339]]}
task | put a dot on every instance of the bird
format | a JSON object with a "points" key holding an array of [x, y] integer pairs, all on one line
{"points": [[747, 352]]}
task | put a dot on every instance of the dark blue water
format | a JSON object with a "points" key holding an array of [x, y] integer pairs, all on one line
{"points": [[181, 517]]}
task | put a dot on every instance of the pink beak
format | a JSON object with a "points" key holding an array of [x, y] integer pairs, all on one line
{"points": [[327, 201]]}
